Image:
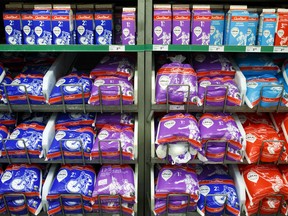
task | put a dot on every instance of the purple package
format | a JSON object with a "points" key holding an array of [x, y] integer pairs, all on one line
{"points": [[178, 127], [128, 26], [115, 180], [162, 24], [113, 89], [114, 208], [174, 207], [212, 65], [176, 73], [177, 179], [215, 95], [181, 24], [122, 66], [201, 22], [204, 171], [124, 119], [109, 139]]}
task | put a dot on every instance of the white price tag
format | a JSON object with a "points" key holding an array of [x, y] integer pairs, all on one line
{"points": [[177, 107], [278, 49], [216, 48], [160, 47], [253, 49], [116, 48]]}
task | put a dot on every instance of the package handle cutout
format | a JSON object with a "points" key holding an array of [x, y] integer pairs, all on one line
{"points": [[110, 140]]}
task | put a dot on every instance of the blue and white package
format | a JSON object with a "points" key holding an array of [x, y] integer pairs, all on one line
{"points": [[25, 134], [42, 24], [217, 205], [27, 25], [285, 70], [252, 28], [236, 25], [62, 24], [74, 119], [284, 98], [24, 178], [103, 24], [73, 140], [267, 27], [217, 27], [254, 65], [270, 95], [8, 119], [74, 86], [12, 24], [85, 24], [72, 180]]}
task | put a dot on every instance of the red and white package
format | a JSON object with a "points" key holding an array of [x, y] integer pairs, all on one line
{"points": [[262, 180], [284, 154], [284, 170], [254, 118], [258, 135], [277, 119]]}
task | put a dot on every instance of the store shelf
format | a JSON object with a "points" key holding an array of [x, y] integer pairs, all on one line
{"points": [[68, 108], [71, 48], [87, 214], [196, 161], [205, 48], [232, 109]]}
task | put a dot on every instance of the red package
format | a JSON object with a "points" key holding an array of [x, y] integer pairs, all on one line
{"points": [[284, 171], [255, 118], [255, 135], [277, 119], [262, 180], [281, 36], [284, 155]]}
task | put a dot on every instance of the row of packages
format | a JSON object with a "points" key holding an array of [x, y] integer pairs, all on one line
{"points": [[68, 24], [211, 25]]}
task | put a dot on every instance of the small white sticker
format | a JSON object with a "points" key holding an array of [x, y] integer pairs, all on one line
{"points": [[60, 82], [102, 182], [126, 32], [81, 29], [252, 176], [62, 175], [103, 135], [116, 48], [6, 176], [8, 29], [99, 29], [166, 174], [160, 47], [253, 49], [216, 48], [169, 124], [207, 123], [278, 49], [250, 138], [26, 29], [164, 81], [252, 85], [38, 31], [205, 83], [60, 135], [197, 31], [177, 30], [57, 31], [15, 134], [158, 31], [204, 190]]}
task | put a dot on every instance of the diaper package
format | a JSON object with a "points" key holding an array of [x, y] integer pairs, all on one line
{"points": [[179, 80], [109, 140]]}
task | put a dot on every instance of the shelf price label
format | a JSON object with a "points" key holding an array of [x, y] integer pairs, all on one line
{"points": [[279, 49], [160, 47], [177, 107], [253, 49], [216, 48], [116, 48]]}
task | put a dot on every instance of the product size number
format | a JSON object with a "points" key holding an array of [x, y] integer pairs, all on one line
{"points": [[115, 48], [160, 47], [253, 49], [216, 48], [280, 49]]}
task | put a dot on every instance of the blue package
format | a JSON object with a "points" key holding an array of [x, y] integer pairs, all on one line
{"points": [[29, 135], [70, 206], [103, 24], [267, 27], [218, 184], [74, 119], [12, 24], [284, 99], [72, 147], [62, 24], [24, 178], [217, 28], [27, 23], [85, 24], [270, 95], [8, 119], [72, 93], [252, 28], [42, 24], [254, 65]]}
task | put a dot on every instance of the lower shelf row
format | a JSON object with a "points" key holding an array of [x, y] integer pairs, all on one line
{"points": [[33, 189]]}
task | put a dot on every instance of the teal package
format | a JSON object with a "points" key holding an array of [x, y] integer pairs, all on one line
{"points": [[267, 26], [252, 28], [217, 28]]}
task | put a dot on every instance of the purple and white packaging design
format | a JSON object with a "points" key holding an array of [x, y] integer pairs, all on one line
{"points": [[118, 26], [62, 24], [27, 24], [129, 26], [124, 119], [267, 27], [236, 25], [115, 180], [162, 24], [252, 27], [176, 73], [103, 24], [13, 24], [217, 27], [207, 170], [200, 25], [181, 24], [85, 24], [42, 24]]}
